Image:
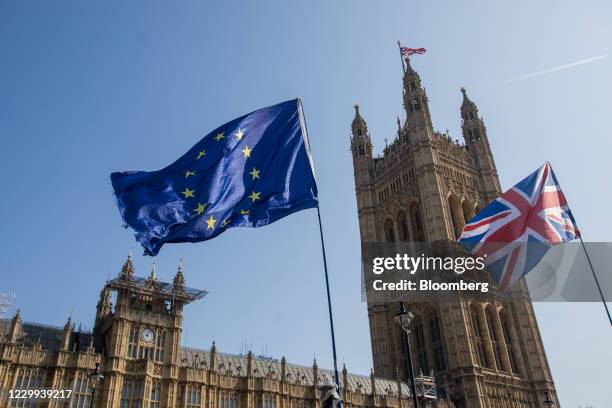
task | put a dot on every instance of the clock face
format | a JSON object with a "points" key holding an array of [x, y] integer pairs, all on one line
{"points": [[147, 335]]}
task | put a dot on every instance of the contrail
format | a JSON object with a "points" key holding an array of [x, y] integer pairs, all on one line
{"points": [[549, 70]]}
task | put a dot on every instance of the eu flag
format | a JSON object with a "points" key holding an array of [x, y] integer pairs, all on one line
{"points": [[249, 172]]}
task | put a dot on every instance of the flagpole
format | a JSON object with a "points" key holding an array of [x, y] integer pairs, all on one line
{"points": [[401, 56], [329, 308], [603, 299], [329, 303]]}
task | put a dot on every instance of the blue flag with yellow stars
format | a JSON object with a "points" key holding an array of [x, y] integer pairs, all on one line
{"points": [[249, 172]]}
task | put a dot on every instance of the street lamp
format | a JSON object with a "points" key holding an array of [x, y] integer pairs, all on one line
{"points": [[403, 318], [548, 402], [96, 376]]}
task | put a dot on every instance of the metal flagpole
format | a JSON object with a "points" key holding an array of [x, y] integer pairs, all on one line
{"points": [[329, 308], [401, 56], [603, 299], [329, 304]]}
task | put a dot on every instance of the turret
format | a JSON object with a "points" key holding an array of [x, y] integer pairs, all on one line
{"points": [[66, 333], [127, 270], [361, 144], [477, 142], [363, 168], [104, 307], [416, 103], [179, 278], [15, 329]]}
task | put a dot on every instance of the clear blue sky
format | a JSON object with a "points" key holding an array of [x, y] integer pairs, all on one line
{"points": [[88, 89]]}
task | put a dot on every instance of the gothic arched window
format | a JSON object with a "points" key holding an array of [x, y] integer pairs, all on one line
{"points": [[477, 336], [456, 215], [468, 212], [402, 224], [417, 223], [421, 346], [510, 346], [494, 338], [193, 397], [437, 341], [389, 231]]}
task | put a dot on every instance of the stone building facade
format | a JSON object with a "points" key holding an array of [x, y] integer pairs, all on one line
{"points": [[136, 341], [482, 353]]}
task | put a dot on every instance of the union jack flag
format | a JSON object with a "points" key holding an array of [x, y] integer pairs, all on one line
{"points": [[411, 51], [514, 232]]}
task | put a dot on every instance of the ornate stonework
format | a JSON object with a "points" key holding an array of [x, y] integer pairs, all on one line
{"points": [[423, 188], [136, 342]]}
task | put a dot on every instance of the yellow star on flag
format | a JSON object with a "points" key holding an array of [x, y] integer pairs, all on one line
{"points": [[211, 223], [219, 137], [200, 208], [255, 196], [244, 212], [189, 173], [239, 134], [201, 154], [225, 223], [246, 151], [255, 173], [188, 193]]}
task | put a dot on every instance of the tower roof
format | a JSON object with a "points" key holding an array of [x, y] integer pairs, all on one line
{"points": [[467, 102], [358, 120]]}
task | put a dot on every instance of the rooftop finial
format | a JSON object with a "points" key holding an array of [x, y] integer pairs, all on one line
{"points": [[127, 271], [179, 278], [68, 324], [466, 99], [153, 275]]}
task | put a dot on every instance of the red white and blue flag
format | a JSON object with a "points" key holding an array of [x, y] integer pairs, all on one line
{"points": [[515, 231], [411, 51]]}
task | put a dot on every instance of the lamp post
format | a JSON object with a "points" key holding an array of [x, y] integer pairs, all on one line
{"points": [[548, 401], [96, 376], [403, 318]]}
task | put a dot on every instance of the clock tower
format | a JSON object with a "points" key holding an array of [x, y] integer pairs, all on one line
{"points": [[141, 337]]}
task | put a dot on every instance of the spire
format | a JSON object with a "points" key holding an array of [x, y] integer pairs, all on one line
{"points": [[15, 327], [127, 271], [179, 279], [361, 145], [416, 102], [373, 381], [467, 102], [399, 126], [66, 334], [68, 324], [153, 275], [359, 126]]}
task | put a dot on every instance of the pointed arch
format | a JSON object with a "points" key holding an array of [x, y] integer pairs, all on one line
{"points": [[467, 209], [511, 345], [420, 342], [477, 337], [456, 215], [417, 223], [402, 226], [437, 340], [494, 335], [389, 230]]}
